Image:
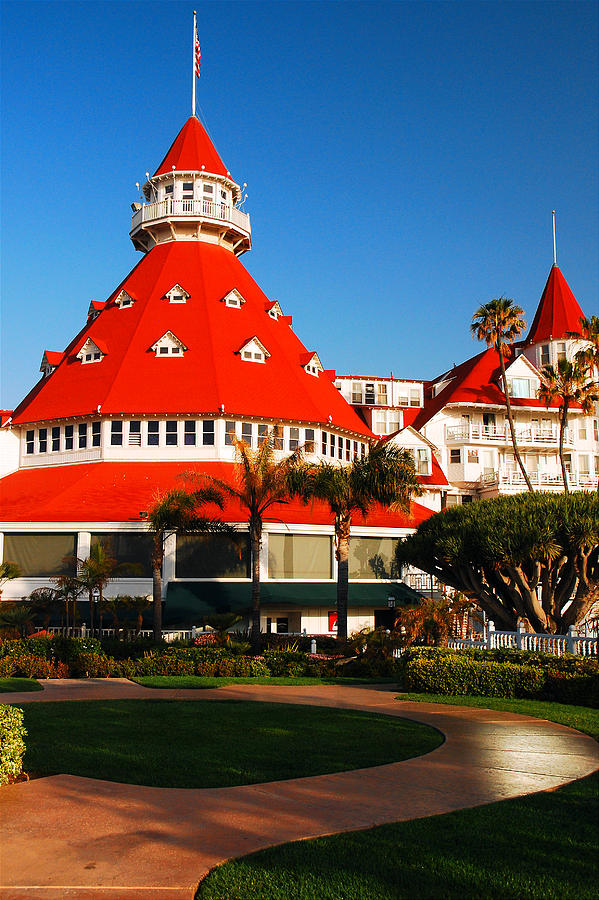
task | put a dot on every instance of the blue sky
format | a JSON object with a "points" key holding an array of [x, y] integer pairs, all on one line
{"points": [[402, 162]]}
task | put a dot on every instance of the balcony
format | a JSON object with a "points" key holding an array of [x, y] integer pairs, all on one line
{"points": [[526, 435], [507, 481], [204, 210]]}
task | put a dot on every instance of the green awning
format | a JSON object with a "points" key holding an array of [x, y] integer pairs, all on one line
{"points": [[188, 602]]}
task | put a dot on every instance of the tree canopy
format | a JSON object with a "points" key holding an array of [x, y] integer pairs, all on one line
{"points": [[531, 557]]}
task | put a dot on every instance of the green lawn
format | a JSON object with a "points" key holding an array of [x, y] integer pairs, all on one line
{"points": [[200, 682], [9, 685], [541, 847], [581, 717], [199, 743]]}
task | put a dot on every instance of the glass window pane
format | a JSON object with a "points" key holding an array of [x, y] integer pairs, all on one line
{"points": [[299, 556], [40, 555], [208, 433], [127, 547], [212, 556], [371, 558]]}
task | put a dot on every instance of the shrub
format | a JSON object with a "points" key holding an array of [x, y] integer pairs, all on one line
{"points": [[460, 675], [95, 665], [12, 744], [8, 666], [285, 662], [564, 687]]}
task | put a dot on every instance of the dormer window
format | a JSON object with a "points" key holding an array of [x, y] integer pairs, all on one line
{"points": [[311, 363], [254, 351], [91, 352], [169, 345], [50, 360], [94, 310], [274, 310], [234, 299], [177, 294], [124, 299]]}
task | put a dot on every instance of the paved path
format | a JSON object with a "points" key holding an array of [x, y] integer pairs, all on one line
{"points": [[70, 837]]}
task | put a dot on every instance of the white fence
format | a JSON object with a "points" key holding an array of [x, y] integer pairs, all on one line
{"points": [[129, 634], [558, 644]]}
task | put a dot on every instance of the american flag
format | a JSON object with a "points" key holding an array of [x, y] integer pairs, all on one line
{"points": [[198, 55]]}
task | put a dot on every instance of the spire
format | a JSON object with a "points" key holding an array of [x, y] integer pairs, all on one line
{"points": [[558, 312], [192, 151]]}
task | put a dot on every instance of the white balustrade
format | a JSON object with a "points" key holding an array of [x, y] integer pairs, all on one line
{"points": [[194, 209], [557, 644]]}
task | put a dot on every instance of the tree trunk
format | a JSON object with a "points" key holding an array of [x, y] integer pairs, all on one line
{"points": [[508, 409], [157, 558], [562, 431], [255, 544], [91, 612], [342, 531]]}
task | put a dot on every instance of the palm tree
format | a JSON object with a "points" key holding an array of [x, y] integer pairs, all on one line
{"points": [[499, 322], [17, 617], [565, 384], [68, 589], [94, 573], [176, 511], [259, 481], [386, 475], [588, 356]]}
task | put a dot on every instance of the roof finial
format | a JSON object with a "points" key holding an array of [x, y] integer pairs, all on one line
{"points": [[554, 244]]}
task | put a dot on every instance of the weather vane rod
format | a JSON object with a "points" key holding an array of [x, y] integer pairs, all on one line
{"points": [[196, 59]]}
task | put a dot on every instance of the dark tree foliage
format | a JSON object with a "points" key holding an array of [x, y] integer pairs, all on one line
{"points": [[531, 557]]}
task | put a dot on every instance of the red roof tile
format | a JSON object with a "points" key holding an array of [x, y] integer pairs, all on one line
{"points": [[191, 151], [118, 492], [130, 379], [558, 311]]}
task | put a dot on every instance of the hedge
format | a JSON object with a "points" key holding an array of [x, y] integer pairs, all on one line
{"points": [[457, 673], [12, 745]]}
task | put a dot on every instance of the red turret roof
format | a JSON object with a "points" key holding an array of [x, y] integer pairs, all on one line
{"points": [[558, 313], [131, 379], [191, 151]]}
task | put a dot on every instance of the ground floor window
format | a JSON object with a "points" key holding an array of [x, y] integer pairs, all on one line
{"points": [[41, 555], [299, 556], [212, 556], [128, 547], [371, 558]]}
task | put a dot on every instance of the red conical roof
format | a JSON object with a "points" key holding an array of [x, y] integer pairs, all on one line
{"points": [[558, 313], [191, 151], [211, 373]]}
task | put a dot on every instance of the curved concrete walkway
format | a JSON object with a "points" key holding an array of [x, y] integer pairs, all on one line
{"points": [[71, 837]]}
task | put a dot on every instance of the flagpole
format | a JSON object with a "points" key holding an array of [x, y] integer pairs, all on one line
{"points": [[193, 66], [554, 244]]}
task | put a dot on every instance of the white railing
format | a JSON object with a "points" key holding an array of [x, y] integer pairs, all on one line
{"points": [[129, 633], [525, 434], [543, 480], [557, 644], [420, 581], [60, 458], [191, 209]]}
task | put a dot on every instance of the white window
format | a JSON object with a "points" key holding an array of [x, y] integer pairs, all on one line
{"points": [[313, 365], [381, 394], [116, 433], [229, 433], [177, 294], [455, 455], [188, 190], [582, 431], [356, 392], [274, 310], [294, 438], [233, 299], [473, 456], [30, 441], [309, 442], [545, 355], [520, 387], [254, 351], [584, 464], [414, 397], [369, 394], [169, 345], [124, 299], [561, 351], [135, 433], [90, 352], [246, 433], [189, 437]]}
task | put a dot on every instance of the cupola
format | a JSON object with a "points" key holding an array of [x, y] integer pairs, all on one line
{"points": [[191, 197]]}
